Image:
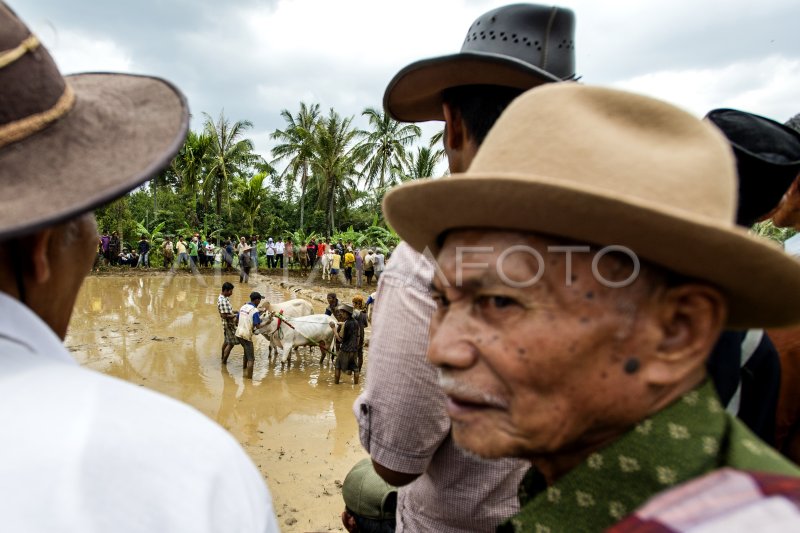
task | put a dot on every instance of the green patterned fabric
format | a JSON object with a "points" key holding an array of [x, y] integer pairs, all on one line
{"points": [[691, 437]]}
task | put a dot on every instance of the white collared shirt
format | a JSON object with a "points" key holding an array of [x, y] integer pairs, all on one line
{"points": [[86, 452]]}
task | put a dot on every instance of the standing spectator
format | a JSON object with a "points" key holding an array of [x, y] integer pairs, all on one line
{"points": [[349, 339], [245, 264], [360, 315], [279, 250], [369, 266], [183, 256], [104, 240], [227, 255], [114, 247], [322, 248], [336, 262], [211, 256], [270, 254], [311, 251], [249, 319], [228, 321], [254, 251], [241, 245], [379, 265], [289, 252], [340, 247], [359, 267], [168, 251], [201, 252], [192, 249], [349, 261], [144, 252]]}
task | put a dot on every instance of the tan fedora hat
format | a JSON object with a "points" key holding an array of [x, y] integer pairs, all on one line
{"points": [[608, 167], [70, 144], [519, 46]]}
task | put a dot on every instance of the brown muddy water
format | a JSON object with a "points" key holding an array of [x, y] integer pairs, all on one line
{"points": [[164, 333]]}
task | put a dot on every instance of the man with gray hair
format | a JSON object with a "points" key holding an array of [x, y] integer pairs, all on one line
{"points": [[576, 311]]}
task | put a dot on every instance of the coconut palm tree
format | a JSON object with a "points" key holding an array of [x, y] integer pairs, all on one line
{"points": [[229, 156], [189, 167], [336, 155], [251, 196], [423, 163], [295, 146], [386, 141]]}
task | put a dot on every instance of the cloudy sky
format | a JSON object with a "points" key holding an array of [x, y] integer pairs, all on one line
{"points": [[253, 58]]}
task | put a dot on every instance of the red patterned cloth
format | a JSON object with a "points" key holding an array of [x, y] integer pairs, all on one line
{"points": [[725, 501]]}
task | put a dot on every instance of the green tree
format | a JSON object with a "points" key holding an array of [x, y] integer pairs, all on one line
{"points": [[229, 156], [189, 168], [251, 197], [386, 141], [334, 163], [423, 163], [295, 145]]}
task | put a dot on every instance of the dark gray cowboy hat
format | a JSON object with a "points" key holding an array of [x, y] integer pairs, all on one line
{"points": [[767, 160], [69, 144], [520, 46]]}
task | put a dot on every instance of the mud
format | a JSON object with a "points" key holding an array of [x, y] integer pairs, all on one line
{"points": [[163, 332]]}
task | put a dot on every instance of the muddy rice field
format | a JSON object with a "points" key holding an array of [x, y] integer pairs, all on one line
{"points": [[162, 331]]}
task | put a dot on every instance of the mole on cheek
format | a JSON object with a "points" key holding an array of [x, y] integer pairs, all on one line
{"points": [[631, 365], [585, 320], [589, 295]]}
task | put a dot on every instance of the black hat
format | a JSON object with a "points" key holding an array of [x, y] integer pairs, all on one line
{"points": [[255, 295], [519, 46], [767, 160]]}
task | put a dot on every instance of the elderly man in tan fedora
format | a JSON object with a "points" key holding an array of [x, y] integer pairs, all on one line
{"points": [[576, 309], [83, 451]]}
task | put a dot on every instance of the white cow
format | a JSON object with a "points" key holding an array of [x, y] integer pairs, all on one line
{"points": [[287, 333], [290, 309], [327, 262]]}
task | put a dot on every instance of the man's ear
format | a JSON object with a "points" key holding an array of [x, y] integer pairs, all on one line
{"points": [[454, 133], [39, 256], [691, 319], [349, 522]]}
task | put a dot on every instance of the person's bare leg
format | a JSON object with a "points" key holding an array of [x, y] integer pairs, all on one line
{"points": [[336, 376]]}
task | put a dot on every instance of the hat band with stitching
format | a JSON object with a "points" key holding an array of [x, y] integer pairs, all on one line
{"points": [[27, 45], [25, 127]]}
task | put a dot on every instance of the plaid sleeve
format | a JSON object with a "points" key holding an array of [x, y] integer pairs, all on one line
{"points": [[224, 306]]}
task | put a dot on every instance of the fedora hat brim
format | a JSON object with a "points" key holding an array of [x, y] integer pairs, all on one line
{"points": [[415, 93], [698, 247], [122, 131]]}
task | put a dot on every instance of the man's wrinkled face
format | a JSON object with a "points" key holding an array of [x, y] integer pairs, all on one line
{"points": [[532, 369]]}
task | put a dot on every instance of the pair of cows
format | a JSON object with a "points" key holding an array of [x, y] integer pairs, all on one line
{"points": [[291, 324]]}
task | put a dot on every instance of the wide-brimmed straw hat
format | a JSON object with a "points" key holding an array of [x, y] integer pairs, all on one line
{"points": [[609, 167], [767, 160], [70, 144], [519, 46]]}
